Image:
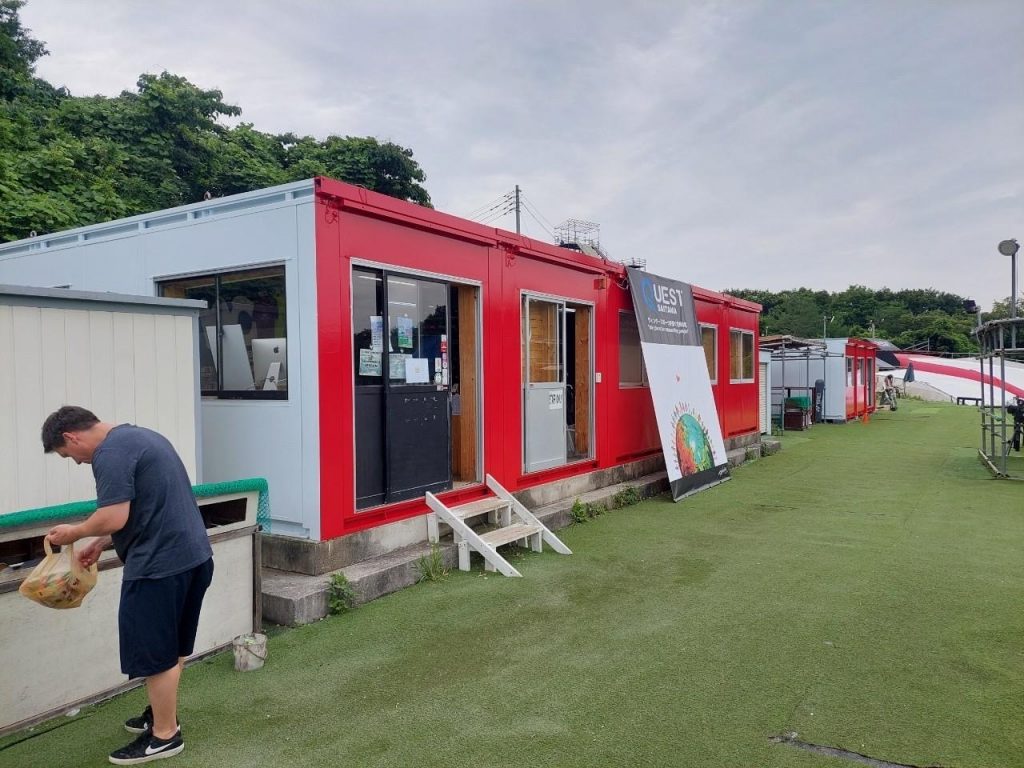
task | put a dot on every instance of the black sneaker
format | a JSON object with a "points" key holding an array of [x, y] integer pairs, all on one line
{"points": [[140, 724], [148, 747]]}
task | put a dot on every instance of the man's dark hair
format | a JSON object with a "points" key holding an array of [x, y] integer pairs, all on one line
{"points": [[69, 418]]}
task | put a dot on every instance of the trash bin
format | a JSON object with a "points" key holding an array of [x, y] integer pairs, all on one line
{"points": [[797, 413]]}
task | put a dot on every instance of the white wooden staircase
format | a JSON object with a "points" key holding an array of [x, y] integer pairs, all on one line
{"points": [[515, 523]]}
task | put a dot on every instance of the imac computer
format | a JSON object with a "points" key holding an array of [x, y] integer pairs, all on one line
{"points": [[270, 362], [237, 375]]}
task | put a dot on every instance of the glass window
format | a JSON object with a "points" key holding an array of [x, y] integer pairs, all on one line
{"points": [[243, 332], [632, 372], [368, 326], [709, 340], [544, 348], [741, 355], [849, 372], [417, 331]]}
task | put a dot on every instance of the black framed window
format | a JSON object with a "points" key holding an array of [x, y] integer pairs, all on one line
{"points": [[243, 334]]}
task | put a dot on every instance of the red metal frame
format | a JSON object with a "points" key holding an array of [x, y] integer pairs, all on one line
{"points": [[858, 399], [354, 225]]}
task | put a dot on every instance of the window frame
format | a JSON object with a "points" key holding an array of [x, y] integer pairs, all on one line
{"points": [[217, 276], [743, 332], [644, 382], [714, 350]]}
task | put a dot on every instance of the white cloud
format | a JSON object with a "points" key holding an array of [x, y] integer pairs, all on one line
{"points": [[731, 144]]}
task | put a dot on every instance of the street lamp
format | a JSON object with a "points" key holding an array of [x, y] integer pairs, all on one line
{"points": [[1010, 248], [825, 320]]}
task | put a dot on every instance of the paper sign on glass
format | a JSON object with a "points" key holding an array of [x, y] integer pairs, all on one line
{"points": [[417, 371], [396, 365], [404, 326], [377, 333], [369, 363]]}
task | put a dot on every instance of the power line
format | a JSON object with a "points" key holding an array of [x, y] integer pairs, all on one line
{"points": [[489, 206], [494, 216], [534, 215], [513, 201], [537, 212]]}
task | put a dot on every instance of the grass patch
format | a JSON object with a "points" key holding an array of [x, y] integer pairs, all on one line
{"points": [[851, 589]]}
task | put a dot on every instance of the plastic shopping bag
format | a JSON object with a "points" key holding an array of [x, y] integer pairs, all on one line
{"points": [[59, 581]]}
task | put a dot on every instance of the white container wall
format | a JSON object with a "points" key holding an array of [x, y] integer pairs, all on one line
{"points": [[270, 228], [51, 660], [127, 359]]}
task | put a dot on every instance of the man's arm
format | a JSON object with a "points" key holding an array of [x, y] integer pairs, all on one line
{"points": [[103, 522]]}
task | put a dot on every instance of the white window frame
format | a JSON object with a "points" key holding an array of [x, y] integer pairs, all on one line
{"points": [[753, 362]]}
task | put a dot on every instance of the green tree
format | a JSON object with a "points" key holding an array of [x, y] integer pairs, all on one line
{"points": [[798, 313], [938, 331], [18, 50], [69, 161], [1001, 309], [387, 168]]}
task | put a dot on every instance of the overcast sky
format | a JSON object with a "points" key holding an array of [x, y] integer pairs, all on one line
{"points": [[733, 144]]}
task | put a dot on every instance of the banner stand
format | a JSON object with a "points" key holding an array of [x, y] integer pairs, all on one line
{"points": [[684, 405]]}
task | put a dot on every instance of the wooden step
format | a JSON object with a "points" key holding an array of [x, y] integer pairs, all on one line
{"points": [[509, 534], [479, 507]]}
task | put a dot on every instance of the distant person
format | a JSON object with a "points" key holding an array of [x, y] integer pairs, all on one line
{"points": [[146, 508], [890, 391]]}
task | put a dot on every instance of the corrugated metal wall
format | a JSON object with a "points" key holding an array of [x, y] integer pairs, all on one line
{"points": [[130, 367]]}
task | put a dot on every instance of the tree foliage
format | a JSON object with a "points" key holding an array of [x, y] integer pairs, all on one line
{"points": [[67, 161], [918, 318]]}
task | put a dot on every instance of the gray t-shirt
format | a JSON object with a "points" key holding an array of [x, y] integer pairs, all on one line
{"points": [[164, 534]]}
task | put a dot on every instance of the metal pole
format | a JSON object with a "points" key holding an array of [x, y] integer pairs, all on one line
{"points": [[782, 406], [517, 209], [1013, 299], [1002, 389]]}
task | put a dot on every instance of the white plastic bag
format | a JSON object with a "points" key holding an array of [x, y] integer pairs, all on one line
{"points": [[59, 581]]}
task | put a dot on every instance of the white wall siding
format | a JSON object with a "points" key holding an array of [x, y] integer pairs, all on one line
{"points": [[278, 440], [103, 360]]}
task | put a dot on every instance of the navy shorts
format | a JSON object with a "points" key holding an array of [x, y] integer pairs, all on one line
{"points": [[158, 618]]}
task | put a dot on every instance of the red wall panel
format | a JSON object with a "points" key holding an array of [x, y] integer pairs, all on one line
{"points": [[355, 225]]}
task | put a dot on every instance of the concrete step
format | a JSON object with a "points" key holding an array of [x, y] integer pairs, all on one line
{"points": [[291, 599]]}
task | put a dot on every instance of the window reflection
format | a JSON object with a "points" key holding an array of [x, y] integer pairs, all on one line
{"points": [[243, 331]]}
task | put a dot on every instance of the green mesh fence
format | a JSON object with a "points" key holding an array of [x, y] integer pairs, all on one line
{"points": [[83, 508]]}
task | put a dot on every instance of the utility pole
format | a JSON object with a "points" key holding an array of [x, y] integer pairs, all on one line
{"points": [[517, 209]]}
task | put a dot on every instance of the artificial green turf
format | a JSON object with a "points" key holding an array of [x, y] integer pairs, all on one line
{"points": [[862, 589]]}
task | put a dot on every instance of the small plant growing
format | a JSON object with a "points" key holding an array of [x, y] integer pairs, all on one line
{"points": [[580, 512], [627, 497], [340, 594], [431, 567]]}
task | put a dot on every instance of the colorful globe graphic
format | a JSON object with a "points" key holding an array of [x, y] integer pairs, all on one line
{"points": [[693, 447]]}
